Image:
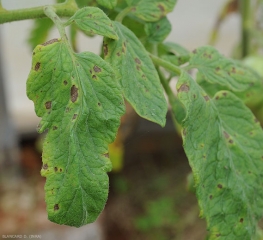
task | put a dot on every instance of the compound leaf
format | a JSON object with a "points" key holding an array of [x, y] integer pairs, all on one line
{"points": [[92, 20], [224, 144], [108, 3], [215, 72], [80, 104], [151, 10], [158, 31], [137, 75]]}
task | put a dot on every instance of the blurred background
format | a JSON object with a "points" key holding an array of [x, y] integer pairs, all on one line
{"points": [[148, 196]]}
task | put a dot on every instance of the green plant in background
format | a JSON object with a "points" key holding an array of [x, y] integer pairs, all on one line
{"points": [[80, 97]]}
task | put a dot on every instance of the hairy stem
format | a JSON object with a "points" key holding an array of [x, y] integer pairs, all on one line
{"points": [[123, 14], [245, 14], [165, 64], [66, 9]]}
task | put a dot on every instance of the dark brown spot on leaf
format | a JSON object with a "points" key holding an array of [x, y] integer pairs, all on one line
{"points": [[194, 51], [37, 66], [218, 235], [138, 68], [94, 76], [157, 26], [217, 69], [220, 186], [48, 104], [106, 155], [60, 169], [226, 135], [34, 53], [55, 127], [96, 69], [50, 42], [56, 207], [143, 76], [211, 196], [65, 82], [217, 97], [74, 93], [99, 104], [241, 220], [206, 98], [118, 54], [137, 60], [56, 169], [105, 49], [45, 166], [74, 116], [230, 141], [183, 88], [161, 7], [224, 93]]}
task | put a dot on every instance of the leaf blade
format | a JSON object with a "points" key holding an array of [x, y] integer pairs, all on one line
{"points": [[81, 106], [137, 75], [225, 158]]}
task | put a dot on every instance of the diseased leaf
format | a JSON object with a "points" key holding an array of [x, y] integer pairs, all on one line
{"points": [[137, 75], [39, 32], [158, 31], [108, 3], [215, 72], [92, 20], [224, 144], [151, 10], [80, 104]]}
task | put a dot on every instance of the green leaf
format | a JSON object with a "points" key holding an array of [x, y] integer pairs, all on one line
{"points": [[158, 31], [92, 20], [80, 104], [39, 32], [222, 73], [151, 10], [108, 3], [85, 3], [224, 144], [137, 75]]}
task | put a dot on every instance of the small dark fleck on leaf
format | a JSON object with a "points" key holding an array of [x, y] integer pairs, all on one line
{"points": [[48, 104], [105, 49], [96, 69], [94, 76], [60, 169], [194, 51], [123, 49], [224, 93], [218, 235], [217, 69], [161, 7], [217, 97], [106, 155], [74, 93], [45, 166], [138, 68], [50, 42], [34, 53], [183, 88], [55, 127], [206, 98], [143, 76], [226, 134], [157, 27], [56, 207], [90, 71], [241, 220], [220, 186], [37, 66], [233, 70], [74, 116], [99, 104], [211, 196], [65, 82], [56, 169], [118, 54], [137, 60], [230, 141], [89, 15]]}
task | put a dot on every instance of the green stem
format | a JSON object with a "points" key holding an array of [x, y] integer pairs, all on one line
{"points": [[66, 9], [165, 64], [123, 14], [50, 12], [245, 14]]}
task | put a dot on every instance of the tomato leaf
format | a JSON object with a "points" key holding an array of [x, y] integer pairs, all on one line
{"points": [[80, 104], [108, 3], [137, 75], [224, 144], [92, 20]]}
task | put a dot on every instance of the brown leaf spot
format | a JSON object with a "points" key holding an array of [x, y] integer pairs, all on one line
{"points": [[143, 76], [74, 93], [225, 93], [74, 116], [137, 60], [60, 169], [157, 26], [34, 53], [48, 104], [56, 207], [161, 7], [55, 127], [233, 70], [211, 196], [183, 88], [241, 220], [45, 166], [231, 141], [226, 135], [37, 66], [96, 69], [118, 54], [138, 68], [56, 169], [194, 51], [123, 49], [217, 97], [220, 186], [106, 155], [65, 82], [217, 69], [99, 104], [94, 76], [105, 49], [218, 235], [206, 98], [49, 42]]}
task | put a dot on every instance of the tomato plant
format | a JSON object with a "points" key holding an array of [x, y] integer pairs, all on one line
{"points": [[80, 98]]}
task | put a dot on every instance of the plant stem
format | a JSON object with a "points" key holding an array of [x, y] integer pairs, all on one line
{"points": [[245, 15], [123, 14], [66, 9], [50, 12], [165, 64]]}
